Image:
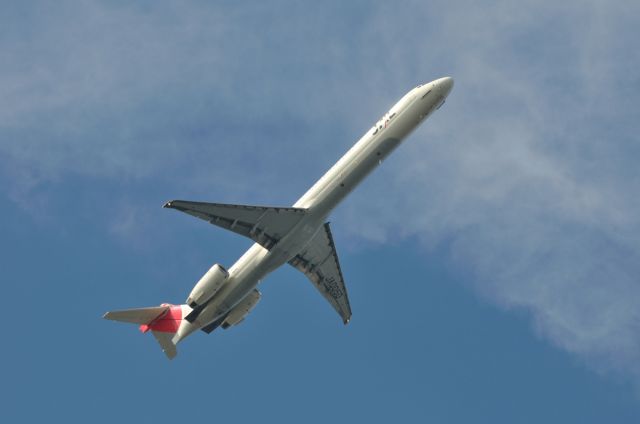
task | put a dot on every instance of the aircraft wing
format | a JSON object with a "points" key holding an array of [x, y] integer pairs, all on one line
{"points": [[319, 262], [265, 225]]}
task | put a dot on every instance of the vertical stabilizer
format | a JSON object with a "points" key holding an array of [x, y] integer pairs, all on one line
{"points": [[166, 343]]}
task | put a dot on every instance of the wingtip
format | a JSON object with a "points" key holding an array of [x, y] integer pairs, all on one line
{"points": [[168, 204]]}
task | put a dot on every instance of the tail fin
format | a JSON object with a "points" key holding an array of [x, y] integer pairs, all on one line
{"points": [[166, 343], [163, 321]]}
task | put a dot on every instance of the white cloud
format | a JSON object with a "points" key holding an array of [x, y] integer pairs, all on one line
{"points": [[521, 177]]}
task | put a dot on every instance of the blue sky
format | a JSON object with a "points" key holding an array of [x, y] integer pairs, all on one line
{"points": [[491, 262]]}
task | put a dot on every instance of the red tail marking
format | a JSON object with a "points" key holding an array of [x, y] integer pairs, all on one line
{"points": [[168, 322]]}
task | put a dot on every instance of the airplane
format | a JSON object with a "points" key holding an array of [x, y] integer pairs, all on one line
{"points": [[298, 235]]}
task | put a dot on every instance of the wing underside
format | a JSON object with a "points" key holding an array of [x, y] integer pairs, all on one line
{"points": [[265, 225], [319, 262]]}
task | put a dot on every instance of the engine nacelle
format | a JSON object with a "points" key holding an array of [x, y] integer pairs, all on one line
{"points": [[208, 285], [242, 309]]}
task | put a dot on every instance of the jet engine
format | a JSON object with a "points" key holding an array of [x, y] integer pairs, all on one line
{"points": [[242, 309], [208, 285]]}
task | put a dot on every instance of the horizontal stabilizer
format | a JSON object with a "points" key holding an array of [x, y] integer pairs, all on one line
{"points": [[138, 315], [163, 321]]}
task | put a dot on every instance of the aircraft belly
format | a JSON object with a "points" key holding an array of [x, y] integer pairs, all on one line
{"points": [[365, 155], [252, 267]]}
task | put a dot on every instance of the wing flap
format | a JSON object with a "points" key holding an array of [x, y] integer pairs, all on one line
{"points": [[319, 262], [265, 225]]}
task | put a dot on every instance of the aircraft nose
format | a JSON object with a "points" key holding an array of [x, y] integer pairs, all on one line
{"points": [[445, 84]]}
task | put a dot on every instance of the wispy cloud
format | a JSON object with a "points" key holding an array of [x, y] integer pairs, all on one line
{"points": [[527, 175]]}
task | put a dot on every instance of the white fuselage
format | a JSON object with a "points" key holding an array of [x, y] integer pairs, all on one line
{"points": [[323, 197]]}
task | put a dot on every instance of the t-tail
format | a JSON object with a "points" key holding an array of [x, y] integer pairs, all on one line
{"points": [[163, 321]]}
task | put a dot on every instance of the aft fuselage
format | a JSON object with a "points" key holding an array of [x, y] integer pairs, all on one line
{"points": [[374, 146]]}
